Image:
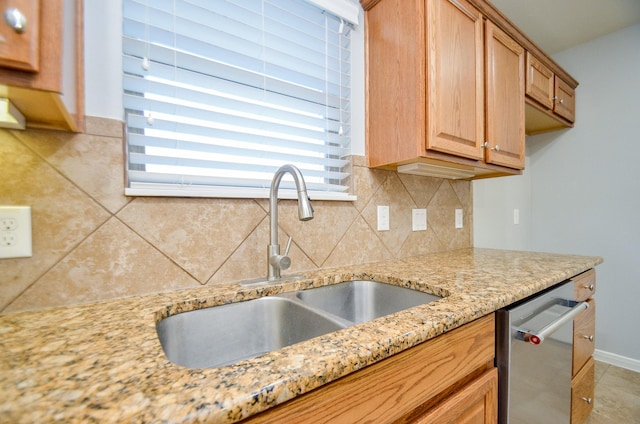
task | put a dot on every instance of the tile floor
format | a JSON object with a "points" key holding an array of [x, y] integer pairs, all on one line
{"points": [[617, 396]]}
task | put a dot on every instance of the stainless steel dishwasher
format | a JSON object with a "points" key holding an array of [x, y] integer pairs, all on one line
{"points": [[534, 340]]}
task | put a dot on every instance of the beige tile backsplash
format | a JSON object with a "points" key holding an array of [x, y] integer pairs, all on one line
{"points": [[91, 242]]}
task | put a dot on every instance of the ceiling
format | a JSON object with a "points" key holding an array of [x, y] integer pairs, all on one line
{"points": [[556, 25]]}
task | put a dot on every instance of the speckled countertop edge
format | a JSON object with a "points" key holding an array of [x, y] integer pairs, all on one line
{"points": [[103, 362]]}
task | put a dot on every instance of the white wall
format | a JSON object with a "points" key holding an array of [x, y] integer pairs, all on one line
{"points": [[103, 67], [584, 190], [103, 58], [494, 202]]}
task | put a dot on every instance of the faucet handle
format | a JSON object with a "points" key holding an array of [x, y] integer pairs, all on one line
{"points": [[286, 249]]}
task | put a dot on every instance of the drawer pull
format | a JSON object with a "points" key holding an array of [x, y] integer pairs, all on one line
{"points": [[589, 287], [588, 400], [590, 338]]}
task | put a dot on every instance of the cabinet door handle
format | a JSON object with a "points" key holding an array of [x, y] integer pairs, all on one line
{"points": [[588, 400], [16, 19], [590, 338], [589, 287], [484, 145], [561, 101], [497, 148]]}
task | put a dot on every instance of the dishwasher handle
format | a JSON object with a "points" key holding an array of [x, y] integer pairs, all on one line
{"points": [[537, 336]]}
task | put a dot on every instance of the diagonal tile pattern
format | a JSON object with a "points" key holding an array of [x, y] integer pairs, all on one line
{"points": [[112, 262], [393, 194], [92, 243], [198, 234], [62, 215]]}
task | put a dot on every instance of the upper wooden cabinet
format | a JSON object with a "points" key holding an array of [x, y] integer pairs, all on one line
{"points": [[505, 99], [550, 100], [19, 42], [41, 69], [445, 97], [540, 81], [564, 99], [454, 81], [445, 88]]}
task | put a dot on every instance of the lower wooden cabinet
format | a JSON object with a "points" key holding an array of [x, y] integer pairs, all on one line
{"points": [[582, 393], [584, 326], [450, 377], [475, 403]]}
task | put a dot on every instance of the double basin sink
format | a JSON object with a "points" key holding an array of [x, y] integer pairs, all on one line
{"points": [[222, 335]]}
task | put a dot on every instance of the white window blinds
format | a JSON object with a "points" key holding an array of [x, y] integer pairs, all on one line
{"points": [[219, 93]]}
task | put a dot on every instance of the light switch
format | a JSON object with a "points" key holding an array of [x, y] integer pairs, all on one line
{"points": [[419, 219], [383, 218], [516, 216], [458, 218]]}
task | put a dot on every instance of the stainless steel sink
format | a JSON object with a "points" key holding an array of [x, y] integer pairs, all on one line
{"points": [[360, 301], [226, 334], [222, 335]]}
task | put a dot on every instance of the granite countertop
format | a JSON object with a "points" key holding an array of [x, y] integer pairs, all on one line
{"points": [[103, 362]]}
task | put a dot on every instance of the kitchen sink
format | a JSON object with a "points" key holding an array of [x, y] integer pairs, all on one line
{"points": [[222, 335], [360, 300]]}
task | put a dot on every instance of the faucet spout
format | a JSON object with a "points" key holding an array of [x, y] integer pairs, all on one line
{"points": [[275, 261]]}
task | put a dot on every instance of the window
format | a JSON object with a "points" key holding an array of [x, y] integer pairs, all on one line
{"points": [[219, 93]]}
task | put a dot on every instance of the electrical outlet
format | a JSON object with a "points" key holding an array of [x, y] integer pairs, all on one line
{"points": [[8, 224], [15, 232]]}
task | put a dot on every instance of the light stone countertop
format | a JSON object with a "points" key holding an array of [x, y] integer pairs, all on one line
{"points": [[103, 362]]}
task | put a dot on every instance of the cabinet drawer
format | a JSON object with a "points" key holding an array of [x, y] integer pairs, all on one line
{"points": [[584, 285], [582, 390], [584, 327], [540, 83]]}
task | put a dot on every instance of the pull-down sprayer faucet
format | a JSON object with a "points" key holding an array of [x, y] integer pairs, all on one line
{"points": [[275, 261]]}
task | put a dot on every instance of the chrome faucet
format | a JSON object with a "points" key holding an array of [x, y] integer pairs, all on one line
{"points": [[275, 261]]}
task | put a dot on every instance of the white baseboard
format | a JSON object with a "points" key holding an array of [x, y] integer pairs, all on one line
{"points": [[617, 360]]}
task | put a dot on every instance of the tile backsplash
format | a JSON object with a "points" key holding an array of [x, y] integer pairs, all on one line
{"points": [[91, 242]]}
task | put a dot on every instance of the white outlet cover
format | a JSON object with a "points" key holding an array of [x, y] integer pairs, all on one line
{"points": [[459, 214], [383, 218], [418, 219], [15, 232]]}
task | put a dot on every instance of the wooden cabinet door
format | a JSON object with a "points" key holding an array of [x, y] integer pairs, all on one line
{"points": [[476, 403], [584, 327], [505, 99], [20, 49], [540, 82], [390, 391], [395, 72], [565, 100], [455, 83]]}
